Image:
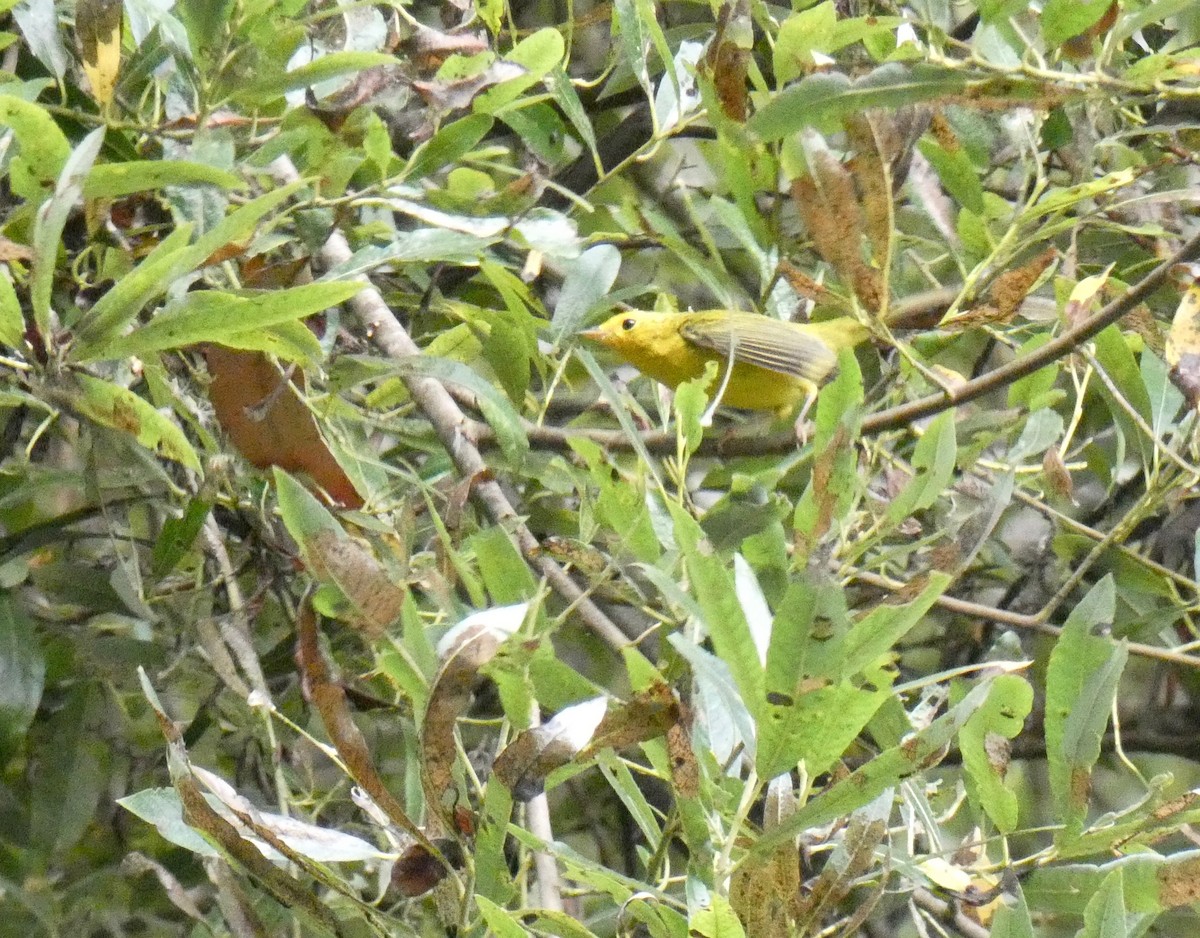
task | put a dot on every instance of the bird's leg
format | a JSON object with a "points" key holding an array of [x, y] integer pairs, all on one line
{"points": [[801, 425], [707, 419]]}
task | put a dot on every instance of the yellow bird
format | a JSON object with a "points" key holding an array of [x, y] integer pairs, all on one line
{"points": [[777, 365]]}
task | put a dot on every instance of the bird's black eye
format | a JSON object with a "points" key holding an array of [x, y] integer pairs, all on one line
{"points": [[628, 324]]}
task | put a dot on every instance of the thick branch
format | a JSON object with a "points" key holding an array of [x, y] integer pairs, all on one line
{"points": [[454, 430]]}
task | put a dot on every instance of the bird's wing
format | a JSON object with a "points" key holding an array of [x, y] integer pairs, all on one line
{"points": [[768, 343]]}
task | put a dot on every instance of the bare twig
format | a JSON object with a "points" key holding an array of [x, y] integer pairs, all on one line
{"points": [[1019, 620], [948, 914]]}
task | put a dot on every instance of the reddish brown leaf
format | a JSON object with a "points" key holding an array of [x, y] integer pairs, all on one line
{"points": [[268, 422], [727, 59]]}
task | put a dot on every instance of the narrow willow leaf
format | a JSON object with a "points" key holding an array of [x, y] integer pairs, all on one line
{"points": [[210, 316], [116, 180], [51, 217], [122, 410], [1081, 675]]}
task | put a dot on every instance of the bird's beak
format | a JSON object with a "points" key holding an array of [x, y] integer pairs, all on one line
{"points": [[595, 335]]}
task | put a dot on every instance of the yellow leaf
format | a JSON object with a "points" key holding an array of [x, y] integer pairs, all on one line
{"points": [[98, 32]]}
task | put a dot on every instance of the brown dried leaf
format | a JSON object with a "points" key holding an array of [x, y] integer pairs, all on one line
{"points": [[648, 715], [1058, 477], [1009, 290], [727, 59], [375, 599], [418, 870], [875, 141], [12, 251], [523, 765], [268, 422], [834, 218], [464, 650], [802, 283], [329, 699]]}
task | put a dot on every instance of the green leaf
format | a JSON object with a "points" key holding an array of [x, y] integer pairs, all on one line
{"points": [[956, 172], [116, 180], [822, 99], [1012, 919], [538, 54], [333, 65], [303, 515], [1104, 916], [210, 316], [815, 727], [723, 615], [1115, 357], [717, 921], [799, 36], [892, 766], [1165, 399], [1062, 19], [12, 320], [177, 536], [1150, 883], [44, 148], [22, 671], [124, 411], [162, 808], [877, 632], [497, 409], [984, 747], [586, 283], [934, 459], [450, 144], [1081, 680], [170, 260], [66, 789]]}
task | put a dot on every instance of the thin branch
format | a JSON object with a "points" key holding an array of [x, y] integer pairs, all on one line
{"points": [[1019, 620], [948, 914], [897, 417]]}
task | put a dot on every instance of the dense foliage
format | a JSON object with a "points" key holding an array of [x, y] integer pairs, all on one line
{"points": [[343, 590]]}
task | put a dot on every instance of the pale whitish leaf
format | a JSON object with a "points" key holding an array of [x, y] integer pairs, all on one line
{"points": [[585, 283], [678, 95], [721, 707], [754, 605], [426, 245], [144, 15], [38, 22], [550, 232], [486, 227], [576, 724], [501, 621], [51, 217], [162, 808], [634, 42], [317, 843]]}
